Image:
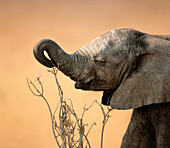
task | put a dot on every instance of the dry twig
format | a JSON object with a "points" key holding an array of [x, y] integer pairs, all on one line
{"points": [[65, 131], [106, 117]]}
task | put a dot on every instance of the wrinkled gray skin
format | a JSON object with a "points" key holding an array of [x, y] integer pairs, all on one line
{"points": [[133, 70]]}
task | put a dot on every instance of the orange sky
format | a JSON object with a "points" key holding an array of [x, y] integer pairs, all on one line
{"points": [[25, 119]]}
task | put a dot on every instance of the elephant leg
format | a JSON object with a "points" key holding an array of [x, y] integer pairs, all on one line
{"points": [[160, 118], [140, 132], [163, 134]]}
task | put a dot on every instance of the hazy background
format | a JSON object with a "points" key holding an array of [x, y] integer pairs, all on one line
{"points": [[25, 119]]}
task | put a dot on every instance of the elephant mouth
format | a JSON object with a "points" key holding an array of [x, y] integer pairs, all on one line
{"points": [[92, 85], [83, 86]]}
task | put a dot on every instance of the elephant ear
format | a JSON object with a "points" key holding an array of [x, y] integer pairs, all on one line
{"points": [[148, 82]]}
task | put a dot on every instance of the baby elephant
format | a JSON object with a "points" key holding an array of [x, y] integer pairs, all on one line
{"points": [[133, 71]]}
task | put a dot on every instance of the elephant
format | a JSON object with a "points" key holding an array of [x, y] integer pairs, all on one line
{"points": [[132, 69]]}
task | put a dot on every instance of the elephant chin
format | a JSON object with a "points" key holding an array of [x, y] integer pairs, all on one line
{"points": [[91, 86], [83, 86]]}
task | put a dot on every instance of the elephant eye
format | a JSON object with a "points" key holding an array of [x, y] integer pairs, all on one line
{"points": [[100, 62]]}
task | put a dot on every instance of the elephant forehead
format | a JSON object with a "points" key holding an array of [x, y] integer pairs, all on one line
{"points": [[97, 45]]}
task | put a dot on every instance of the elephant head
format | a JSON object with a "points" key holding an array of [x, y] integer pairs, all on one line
{"points": [[131, 67]]}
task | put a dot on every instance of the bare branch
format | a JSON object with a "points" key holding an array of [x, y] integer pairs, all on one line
{"points": [[49, 108], [39, 82], [66, 128], [90, 128], [87, 140], [85, 109], [101, 107], [38, 95], [105, 120]]}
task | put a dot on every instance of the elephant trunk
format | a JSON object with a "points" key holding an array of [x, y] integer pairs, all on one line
{"points": [[65, 62]]}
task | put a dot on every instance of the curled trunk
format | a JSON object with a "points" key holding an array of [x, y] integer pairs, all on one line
{"points": [[65, 62]]}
